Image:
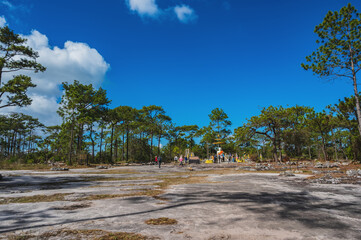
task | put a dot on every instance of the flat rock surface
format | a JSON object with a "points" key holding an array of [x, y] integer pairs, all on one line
{"points": [[230, 205]]}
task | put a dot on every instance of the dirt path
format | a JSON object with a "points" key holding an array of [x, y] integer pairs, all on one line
{"points": [[215, 205]]}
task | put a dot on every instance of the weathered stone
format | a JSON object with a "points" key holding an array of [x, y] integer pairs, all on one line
{"points": [[287, 174], [59, 169], [327, 179], [319, 165], [101, 167], [352, 172]]}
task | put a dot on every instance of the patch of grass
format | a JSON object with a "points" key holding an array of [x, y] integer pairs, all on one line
{"points": [[20, 237], [35, 198], [188, 179], [95, 234], [18, 166], [73, 207], [113, 171], [123, 236], [111, 179], [161, 221]]}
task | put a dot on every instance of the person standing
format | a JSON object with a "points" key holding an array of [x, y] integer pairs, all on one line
{"points": [[156, 159], [175, 159], [159, 161], [181, 160]]}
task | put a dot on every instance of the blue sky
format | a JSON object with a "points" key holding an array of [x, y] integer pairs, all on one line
{"points": [[189, 56]]}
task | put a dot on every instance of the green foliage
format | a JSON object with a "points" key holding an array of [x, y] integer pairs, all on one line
{"points": [[15, 56], [339, 53]]}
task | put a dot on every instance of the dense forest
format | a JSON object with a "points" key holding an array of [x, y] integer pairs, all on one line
{"points": [[92, 132]]}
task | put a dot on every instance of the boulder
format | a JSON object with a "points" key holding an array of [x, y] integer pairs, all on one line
{"points": [[59, 169]]}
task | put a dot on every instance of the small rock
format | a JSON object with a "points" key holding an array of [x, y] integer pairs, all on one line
{"points": [[319, 165], [352, 172], [287, 174], [101, 167]]}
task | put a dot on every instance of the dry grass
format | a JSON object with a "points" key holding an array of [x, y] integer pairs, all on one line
{"points": [[163, 183], [21, 237], [114, 171], [18, 166], [123, 236], [82, 234], [73, 207], [161, 221], [188, 179], [35, 198]]}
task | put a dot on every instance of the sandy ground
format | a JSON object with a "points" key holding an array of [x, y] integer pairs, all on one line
{"points": [[229, 206]]}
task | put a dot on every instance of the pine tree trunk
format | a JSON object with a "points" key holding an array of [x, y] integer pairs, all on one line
{"points": [[71, 144], [275, 151], [207, 151], [123, 144], [159, 144], [101, 144], [127, 143], [93, 142], [151, 148], [111, 145], [324, 149], [354, 80], [358, 110], [116, 149]]}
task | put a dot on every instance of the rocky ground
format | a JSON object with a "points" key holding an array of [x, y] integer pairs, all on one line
{"points": [[227, 201]]}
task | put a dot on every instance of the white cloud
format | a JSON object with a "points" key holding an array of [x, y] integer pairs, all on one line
{"points": [[74, 61], [149, 8], [2, 21], [184, 13], [144, 7], [8, 4]]}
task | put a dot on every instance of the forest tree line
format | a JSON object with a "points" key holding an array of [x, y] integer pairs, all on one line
{"points": [[92, 132]]}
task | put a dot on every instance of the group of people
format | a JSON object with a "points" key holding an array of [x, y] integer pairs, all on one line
{"points": [[182, 160], [158, 160]]}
